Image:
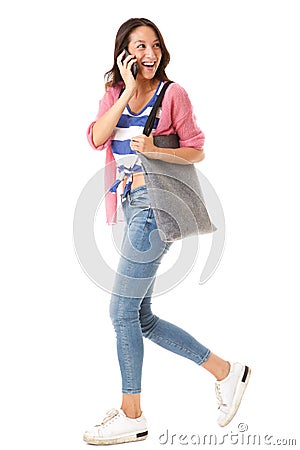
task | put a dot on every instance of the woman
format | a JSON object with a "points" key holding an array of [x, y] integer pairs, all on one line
{"points": [[123, 111]]}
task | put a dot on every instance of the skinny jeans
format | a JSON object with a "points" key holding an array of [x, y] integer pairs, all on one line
{"points": [[130, 306]]}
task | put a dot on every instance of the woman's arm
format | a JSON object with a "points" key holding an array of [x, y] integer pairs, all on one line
{"points": [[177, 117], [183, 155], [105, 125]]}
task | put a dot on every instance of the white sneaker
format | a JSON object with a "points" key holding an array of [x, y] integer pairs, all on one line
{"points": [[117, 428], [230, 391]]}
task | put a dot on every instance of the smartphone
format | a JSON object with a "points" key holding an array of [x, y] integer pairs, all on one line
{"points": [[134, 68]]}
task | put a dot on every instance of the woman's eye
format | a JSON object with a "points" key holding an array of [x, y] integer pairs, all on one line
{"points": [[144, 46]]}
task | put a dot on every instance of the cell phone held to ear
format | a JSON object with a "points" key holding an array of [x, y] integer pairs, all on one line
{"points": [[134, 68]]}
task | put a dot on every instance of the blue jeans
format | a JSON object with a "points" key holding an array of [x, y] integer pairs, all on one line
{"points": [[130, 307]]}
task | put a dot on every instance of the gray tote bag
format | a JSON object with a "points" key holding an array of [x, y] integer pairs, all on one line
{"points": [[174, 190]]}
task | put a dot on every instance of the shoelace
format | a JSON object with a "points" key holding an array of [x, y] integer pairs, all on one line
{"points": [[109, 416], [219, 396]]}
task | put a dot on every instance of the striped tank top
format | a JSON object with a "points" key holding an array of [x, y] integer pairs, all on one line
{"points": [[128, 126]]}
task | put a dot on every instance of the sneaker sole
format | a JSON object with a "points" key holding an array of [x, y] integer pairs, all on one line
{"points": [[237, 398], [117, 440]]}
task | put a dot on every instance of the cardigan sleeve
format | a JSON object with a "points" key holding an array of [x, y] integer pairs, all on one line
{"points": [[107, 101], [183, 119]]}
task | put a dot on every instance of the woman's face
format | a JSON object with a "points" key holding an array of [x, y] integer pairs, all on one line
{"points": [[144, 45]]}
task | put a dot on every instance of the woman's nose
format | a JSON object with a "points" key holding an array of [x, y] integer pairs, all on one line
{"points": [[149, 52]]}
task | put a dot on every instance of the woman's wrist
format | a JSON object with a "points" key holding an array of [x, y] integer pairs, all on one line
{"points": [[128, 92], [182, 155], [164, 154]]}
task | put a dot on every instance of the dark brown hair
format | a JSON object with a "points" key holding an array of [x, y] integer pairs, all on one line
{"points": [[113, 76]]}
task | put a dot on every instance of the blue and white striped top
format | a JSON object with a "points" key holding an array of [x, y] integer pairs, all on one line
{"points": [[128, 126]]}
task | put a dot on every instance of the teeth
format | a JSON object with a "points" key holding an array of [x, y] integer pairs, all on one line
{"points": [[148, 64]]}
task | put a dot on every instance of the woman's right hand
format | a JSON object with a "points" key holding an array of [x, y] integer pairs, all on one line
{"points": [[125, 71]]}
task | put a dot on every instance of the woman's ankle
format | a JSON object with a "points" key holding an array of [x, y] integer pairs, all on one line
{"points": [[224, 372], [132, 414], [217, 366], [131, 405]]}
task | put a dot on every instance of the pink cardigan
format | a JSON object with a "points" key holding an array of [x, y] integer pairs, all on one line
{"points": [[176, 117]]}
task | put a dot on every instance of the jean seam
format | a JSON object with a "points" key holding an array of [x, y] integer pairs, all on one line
{"points": [[131, 391], [200, 360]]}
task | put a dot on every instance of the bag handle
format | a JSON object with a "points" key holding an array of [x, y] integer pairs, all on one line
{"points": [[150, 121]]}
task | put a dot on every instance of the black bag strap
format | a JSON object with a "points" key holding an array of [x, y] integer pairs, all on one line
{"points": [[150, 122]]}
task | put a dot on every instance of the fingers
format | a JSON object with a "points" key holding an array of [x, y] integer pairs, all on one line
{"points": [[125, 62], [135, 144], [120, 57], [141, 143]]}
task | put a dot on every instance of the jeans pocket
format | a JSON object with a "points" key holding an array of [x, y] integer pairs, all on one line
{"points": [[139, 199], [139, 228]]}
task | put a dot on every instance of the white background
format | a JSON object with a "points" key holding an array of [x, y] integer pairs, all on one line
{"points": [[239, 62]]}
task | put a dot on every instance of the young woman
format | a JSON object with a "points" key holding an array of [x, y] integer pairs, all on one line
{"points": [[118, 128]]}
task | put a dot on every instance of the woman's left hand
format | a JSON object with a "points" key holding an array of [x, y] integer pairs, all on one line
{"points": [[143, 144]]}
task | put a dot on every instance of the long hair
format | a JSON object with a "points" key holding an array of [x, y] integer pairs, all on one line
{"points": [[113, 76]]}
